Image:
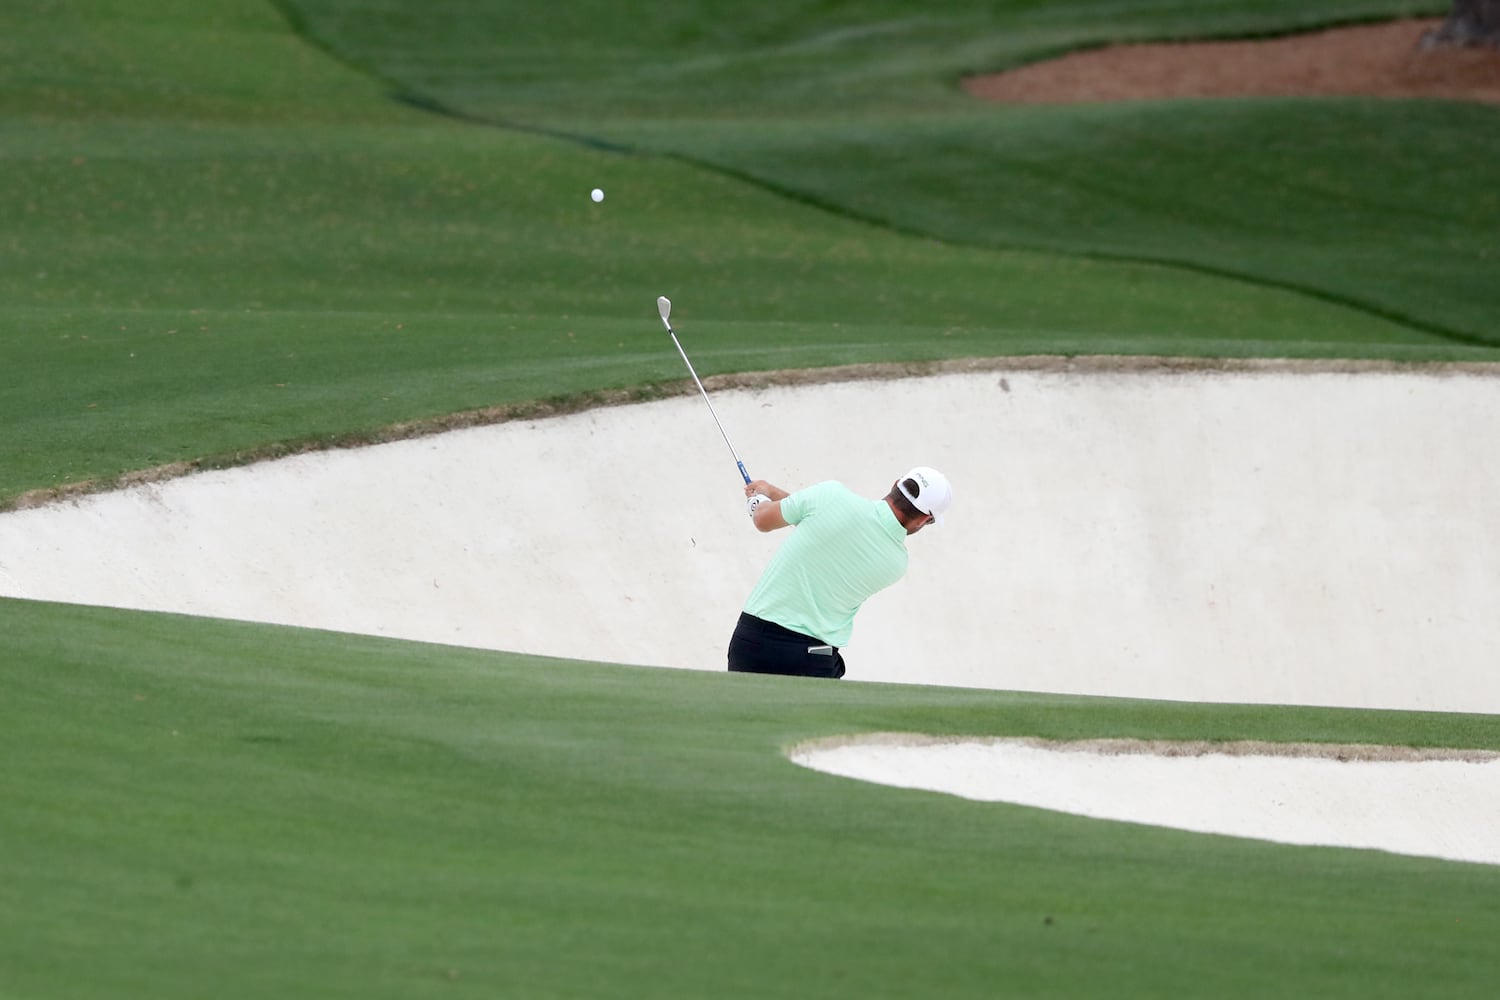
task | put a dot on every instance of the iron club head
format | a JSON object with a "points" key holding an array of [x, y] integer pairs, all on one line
{"points": [[664, 306]]}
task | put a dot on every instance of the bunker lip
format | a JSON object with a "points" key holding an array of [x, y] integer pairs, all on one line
{"points": [[600, 399], [1120, 746]]}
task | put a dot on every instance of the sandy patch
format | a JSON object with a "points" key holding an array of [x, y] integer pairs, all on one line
{"points": [[1378, 60], [1424, 802], [1253, 532]]}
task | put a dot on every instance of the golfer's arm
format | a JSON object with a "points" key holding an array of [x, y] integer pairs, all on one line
{"points": [[768, 516]]}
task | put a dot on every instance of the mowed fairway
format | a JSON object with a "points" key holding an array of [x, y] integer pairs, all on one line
{"points": [[256, 811], [233, 228]]}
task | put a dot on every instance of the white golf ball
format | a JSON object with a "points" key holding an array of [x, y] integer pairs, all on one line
{"points": [[597, 194]]}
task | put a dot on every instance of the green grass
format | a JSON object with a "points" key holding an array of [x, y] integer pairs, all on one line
{"points": [[593, 61], [299, 813], [1311, 196], [211, 290], [263, 250], [223, 60], [1385, 205], [230, 229]]}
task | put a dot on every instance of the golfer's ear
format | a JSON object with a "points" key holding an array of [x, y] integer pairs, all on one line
{"points": [[768, 516]]}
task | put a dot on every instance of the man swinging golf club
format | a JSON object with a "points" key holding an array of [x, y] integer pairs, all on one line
{"points": [[844, 548]]}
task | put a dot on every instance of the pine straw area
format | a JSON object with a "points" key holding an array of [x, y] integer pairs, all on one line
{"points": [[1371, 60]]}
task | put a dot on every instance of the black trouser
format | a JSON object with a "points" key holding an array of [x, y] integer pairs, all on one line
{"points": [[762, 647]]}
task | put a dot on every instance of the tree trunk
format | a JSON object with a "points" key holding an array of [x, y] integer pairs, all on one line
{"points": [[1469, 23]]}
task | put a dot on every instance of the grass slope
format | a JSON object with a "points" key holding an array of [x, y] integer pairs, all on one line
{"points": [[280, 811], [593, 60], [1380, 205], [210, 271], [195, 279], [183, 292], [1386, 205]]}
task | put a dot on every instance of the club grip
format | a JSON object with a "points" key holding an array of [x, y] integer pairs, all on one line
{"points": [[743, 473]]}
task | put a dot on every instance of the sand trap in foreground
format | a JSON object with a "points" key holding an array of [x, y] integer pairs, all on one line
{"points": [[1441, 804]]}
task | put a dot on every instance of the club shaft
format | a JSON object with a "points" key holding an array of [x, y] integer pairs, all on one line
{"points": [[712, 412]]}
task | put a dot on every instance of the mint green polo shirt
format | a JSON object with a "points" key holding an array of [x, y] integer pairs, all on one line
{"points": [[842, 549]]}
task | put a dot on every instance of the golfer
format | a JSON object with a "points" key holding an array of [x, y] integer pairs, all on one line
{"points": [[845, 548]]}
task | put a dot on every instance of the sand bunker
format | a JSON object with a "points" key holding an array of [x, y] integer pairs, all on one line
{"points": [[1258, 533], [1433, 803]]}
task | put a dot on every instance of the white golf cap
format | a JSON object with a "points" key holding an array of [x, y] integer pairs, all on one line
{"points": [[933, 495]]}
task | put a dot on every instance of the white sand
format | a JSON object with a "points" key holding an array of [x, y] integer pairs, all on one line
{"points": [[1436, 808], [1261, 536]]}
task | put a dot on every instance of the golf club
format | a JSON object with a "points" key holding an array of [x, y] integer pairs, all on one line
{"points": [[664, 306]]}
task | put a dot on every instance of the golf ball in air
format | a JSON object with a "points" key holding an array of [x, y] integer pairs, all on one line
{"points": [[597, 194]]}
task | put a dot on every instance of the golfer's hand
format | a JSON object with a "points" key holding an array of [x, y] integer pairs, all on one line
{"points": [[755, 500], [766, 490]]}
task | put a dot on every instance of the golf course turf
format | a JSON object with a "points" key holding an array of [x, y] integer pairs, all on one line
{"points": [[237, 228], [275, 810]]}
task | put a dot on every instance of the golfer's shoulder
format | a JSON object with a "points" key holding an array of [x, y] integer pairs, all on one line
{"points": [[828, 492], [817, 491], [827, 495]]}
